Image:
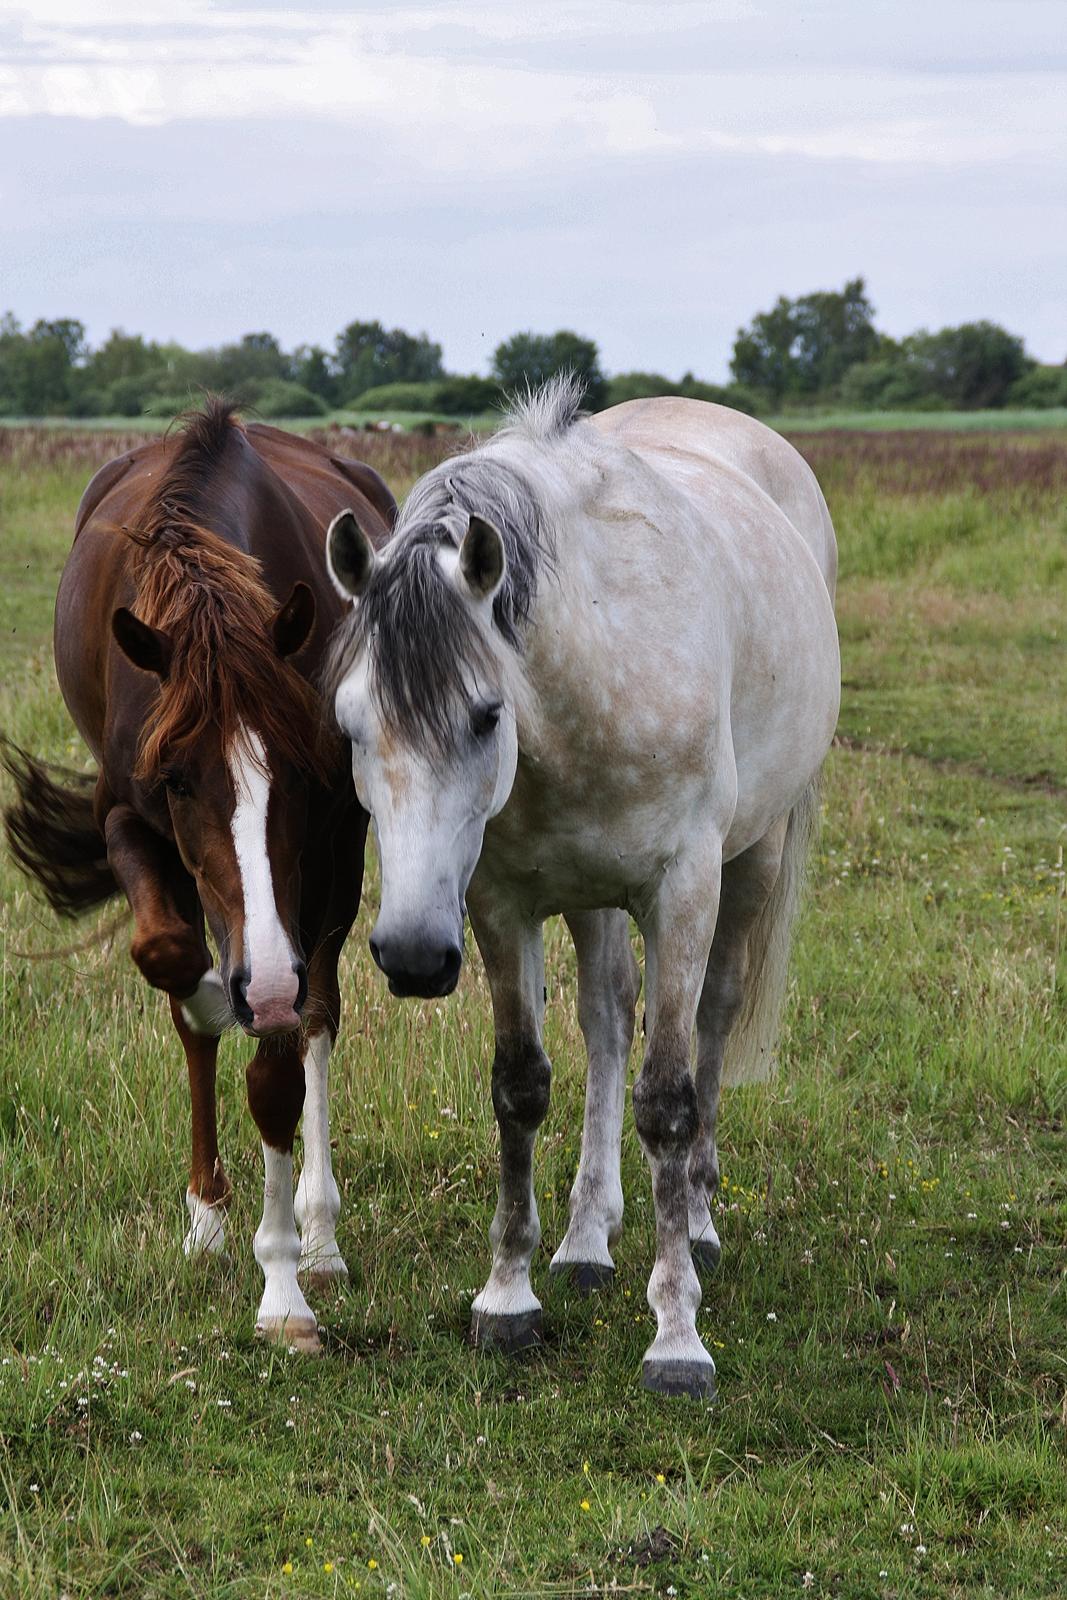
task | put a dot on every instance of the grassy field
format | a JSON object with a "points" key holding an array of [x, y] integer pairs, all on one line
{"points": [[1007, 421], [890, 1317]]}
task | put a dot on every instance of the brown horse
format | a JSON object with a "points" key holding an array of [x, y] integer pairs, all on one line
{"points": [[195, 584]]}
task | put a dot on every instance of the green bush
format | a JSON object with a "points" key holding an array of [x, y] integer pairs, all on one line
{"points": [[277, 397], [1040, 390], [649, 385], [466, 397], [398, 397]]}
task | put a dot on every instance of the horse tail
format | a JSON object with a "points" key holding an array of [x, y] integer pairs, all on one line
{"points": [[53, 834], [751, 1043]]}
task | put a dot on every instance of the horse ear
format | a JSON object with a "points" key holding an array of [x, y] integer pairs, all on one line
{"points": [[147, 647], [481, 559], [350, 556], [294, 621]]}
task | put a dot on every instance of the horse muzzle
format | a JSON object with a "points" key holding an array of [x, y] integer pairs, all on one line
{"points": [[270, 1007], [421, 967]]}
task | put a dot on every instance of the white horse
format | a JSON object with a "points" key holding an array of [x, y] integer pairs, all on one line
{"points": [[597, 667]]}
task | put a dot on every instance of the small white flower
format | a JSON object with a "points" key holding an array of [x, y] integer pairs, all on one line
{"points": [[35, 1488], [920, 1549], [135, 1437], [772, 1316], [808, 1580]]}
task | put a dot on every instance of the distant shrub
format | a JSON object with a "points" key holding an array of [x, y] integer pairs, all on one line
{"points": [[277, 397], [466, 397], [1040, 390], [169, 405], [885, 384], [648, 385], [397, 397]]}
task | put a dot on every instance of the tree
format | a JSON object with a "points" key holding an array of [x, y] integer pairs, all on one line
{"points": [[972, 366], [369, 356], [803, 348], [310, 366], [37, 367], [528, 359]]}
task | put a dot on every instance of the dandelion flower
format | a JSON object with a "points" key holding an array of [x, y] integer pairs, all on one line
{"points": [[327, 1566], [458, 1558], [426, 1541], [585, 1506], [372, 1565], [660, 1478], [287, 1566]]}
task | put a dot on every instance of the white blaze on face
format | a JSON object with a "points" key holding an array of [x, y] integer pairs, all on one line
{"points": [[268, 956]]}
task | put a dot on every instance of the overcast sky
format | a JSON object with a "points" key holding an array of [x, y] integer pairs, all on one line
{"points": [[648, 174]]}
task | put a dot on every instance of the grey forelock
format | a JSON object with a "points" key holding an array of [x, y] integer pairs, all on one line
{"points": [[425, 643]]}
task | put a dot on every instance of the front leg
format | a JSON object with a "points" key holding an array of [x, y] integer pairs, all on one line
{"points": [[678, 932], [169, 948], [609, 983], [275, 1079], [318, 1200], [507, 1313]]}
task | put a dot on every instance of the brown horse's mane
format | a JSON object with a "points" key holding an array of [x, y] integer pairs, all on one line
{"points": [[211, 601]]}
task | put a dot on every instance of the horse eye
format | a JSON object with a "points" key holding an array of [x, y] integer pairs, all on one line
{"points": [[484, 718], [175, 784]]}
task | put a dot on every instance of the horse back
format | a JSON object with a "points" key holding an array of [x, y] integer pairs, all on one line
{"points": [[674, 429]]}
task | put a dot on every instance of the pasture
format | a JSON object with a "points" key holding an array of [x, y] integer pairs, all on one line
{"points": [[889, 1317]]}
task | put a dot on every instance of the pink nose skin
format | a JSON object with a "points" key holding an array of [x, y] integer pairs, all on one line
{"points": [[276, 1016]]}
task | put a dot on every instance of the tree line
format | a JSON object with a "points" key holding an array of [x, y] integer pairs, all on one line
{"points": [[822, 348]]}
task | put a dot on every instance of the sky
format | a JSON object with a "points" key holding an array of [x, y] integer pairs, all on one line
{"points": [[650, 175]]}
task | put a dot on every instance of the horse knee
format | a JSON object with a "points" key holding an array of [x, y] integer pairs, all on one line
{"points": [[276, 1096], [170, 960], [522, 1081], [665, 1110]]}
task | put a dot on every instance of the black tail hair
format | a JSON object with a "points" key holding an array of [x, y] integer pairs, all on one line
{"points": [[52, 832]]}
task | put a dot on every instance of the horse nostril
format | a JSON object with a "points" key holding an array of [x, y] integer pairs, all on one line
{"points": [[453, 960], [301, 985], [239, 995]]}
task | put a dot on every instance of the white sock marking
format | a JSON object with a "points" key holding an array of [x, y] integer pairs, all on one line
{"points": [[207, 1232], [318, 1202], [207, 1010], [283, 1311]]}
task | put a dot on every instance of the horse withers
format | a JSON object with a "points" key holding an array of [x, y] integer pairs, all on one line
{"points": [[190, 626], [596, 672]]}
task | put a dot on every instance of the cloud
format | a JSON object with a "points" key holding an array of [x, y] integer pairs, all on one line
{"points": [[649, 173]]}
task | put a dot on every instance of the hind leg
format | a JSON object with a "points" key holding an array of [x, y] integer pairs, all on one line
{"points": [[608, 985], [747, 882]]}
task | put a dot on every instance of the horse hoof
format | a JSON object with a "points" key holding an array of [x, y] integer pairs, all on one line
{"points": [[587, 1276], [298, 1334], [491, 1331], [695, 1379], [323, 1272], [707, 1254]]}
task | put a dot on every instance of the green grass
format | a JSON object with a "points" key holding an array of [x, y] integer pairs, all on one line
{"points": [[1006, 421], [889, 1318]]}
